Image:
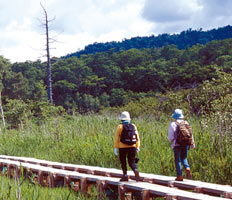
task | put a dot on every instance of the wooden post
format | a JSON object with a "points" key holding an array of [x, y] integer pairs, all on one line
{"points": [[83, 184], [100, 189], [121, 192], [170, 197], [145, 195], [18, 172], [1, 167], [51, 180], [66, 181], [40, 178], [9, 170]]}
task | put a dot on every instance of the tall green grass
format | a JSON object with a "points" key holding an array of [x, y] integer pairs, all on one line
{"points": [[89, 140], [12, 189]]}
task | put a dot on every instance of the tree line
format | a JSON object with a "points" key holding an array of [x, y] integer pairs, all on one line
{"points": [[101, 80], [183, 40]]}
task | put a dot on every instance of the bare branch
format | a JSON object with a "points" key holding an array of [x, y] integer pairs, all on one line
{"points": [[49, 40]]}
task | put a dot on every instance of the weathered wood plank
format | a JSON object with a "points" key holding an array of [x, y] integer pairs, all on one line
{"points": [[146, 189]]}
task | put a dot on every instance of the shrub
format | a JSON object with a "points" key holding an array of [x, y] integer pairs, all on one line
{"points": [[18, 112]]}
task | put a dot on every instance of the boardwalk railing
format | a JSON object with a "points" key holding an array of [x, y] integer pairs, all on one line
{"points": [[52, 174]]}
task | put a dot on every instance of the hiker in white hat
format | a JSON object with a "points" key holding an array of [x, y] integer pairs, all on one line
{"points": [[127, 142]]}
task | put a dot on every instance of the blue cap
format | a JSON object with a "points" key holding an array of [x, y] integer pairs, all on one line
{"points": [[178, 114]]}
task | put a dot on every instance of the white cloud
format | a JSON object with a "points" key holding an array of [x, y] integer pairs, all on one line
{"points": [[170, 10], [173, 16], [79, 23]]}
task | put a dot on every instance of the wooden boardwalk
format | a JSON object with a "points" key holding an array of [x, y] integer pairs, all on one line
{"points": [[54, 174]]}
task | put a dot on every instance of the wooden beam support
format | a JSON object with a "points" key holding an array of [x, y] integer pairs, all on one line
{"points": [[1, 166], [40, 178], [145, 195], [66, 181], [83, 185], [101, 189], [51, 180], [9, 168], [18, 171], [170, 197], [121, 192], [145, 191]]}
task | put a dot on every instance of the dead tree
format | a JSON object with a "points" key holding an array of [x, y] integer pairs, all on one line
{"points": [[45, 23], [2, 113]]}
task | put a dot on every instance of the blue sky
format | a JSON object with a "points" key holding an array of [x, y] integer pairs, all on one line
{"points": [[78, 23]]}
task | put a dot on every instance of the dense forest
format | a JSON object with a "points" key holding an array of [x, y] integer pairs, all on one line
{"points": [[183, 40]]}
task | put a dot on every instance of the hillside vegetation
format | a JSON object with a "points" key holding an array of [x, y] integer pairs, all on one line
{"points": [[94, 82], [182, 40]]}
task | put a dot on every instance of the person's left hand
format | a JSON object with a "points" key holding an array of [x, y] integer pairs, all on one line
{"points": [[137, 150], [115, 151]]}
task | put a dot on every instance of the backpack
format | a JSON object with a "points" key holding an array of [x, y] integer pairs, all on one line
{"points": [[128, 135], [184, 134]]}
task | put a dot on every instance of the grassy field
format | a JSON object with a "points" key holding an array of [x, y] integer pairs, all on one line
{"points": [[89, 140]]}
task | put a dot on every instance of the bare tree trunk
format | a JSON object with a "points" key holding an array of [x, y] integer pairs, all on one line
{"points": [[49, 77], [2, 113]]}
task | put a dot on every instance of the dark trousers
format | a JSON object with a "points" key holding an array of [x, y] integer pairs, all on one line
{"points": [[127, 153]]}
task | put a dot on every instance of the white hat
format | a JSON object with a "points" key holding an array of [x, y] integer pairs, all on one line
{"points": [[125, 116]]}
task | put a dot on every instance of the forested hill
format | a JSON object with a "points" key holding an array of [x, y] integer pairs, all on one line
{"points": [[111, 79], [183, 40]]}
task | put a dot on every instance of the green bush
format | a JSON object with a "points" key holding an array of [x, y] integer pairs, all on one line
{"points": [[19, 113]]}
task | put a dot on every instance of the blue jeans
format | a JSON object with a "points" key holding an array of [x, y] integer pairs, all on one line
{"points": [[180, 154]]}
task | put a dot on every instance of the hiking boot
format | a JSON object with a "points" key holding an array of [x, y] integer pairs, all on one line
{"points": [[137, 177], [124, 178], [188, 173], [179, 178]]}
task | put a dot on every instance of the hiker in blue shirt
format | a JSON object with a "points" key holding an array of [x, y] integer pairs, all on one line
{"points": [[180, 151]]}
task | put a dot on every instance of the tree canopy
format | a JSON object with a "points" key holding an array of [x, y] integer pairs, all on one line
{"points": [[114, 78]]}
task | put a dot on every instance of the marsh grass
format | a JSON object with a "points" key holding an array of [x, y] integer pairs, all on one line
{"points": [[89, 140], [12, 189]]}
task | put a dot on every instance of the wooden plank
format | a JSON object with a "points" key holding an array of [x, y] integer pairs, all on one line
{"points": [[73, 167], [154, 189], [207, 188], [163, 191], [158, 179]]}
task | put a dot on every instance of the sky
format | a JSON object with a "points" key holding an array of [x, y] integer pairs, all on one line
{"points": [[73, 24]]}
